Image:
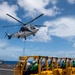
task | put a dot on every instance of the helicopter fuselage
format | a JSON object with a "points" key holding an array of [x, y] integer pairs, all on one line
{"points": [[24, 34]]}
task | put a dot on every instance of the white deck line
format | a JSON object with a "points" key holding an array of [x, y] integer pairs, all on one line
{"points": [[6, 69]]}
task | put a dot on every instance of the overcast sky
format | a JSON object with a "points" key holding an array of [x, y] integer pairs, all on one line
{"points": [[56, 39]]}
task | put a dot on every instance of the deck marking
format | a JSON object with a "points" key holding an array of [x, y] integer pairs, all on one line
{"points": [[6, 69]]}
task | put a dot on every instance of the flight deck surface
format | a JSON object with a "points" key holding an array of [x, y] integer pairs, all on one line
{"points": [[6, 69]]}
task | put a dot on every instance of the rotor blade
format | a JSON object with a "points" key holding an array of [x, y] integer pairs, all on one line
{"points": [[15, 18], [34, 19], [10, 26], [40, 25], [20, 25]]}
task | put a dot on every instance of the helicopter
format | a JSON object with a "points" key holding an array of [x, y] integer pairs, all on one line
{"points": [[26, 29]]}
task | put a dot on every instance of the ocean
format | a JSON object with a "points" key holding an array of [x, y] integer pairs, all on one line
{"points": [[10, 62]]}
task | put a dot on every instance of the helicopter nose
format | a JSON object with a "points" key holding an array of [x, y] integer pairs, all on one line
{"points": [[37, 29]]}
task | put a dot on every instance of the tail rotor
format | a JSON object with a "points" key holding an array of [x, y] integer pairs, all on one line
{"points": [[8, 35]]}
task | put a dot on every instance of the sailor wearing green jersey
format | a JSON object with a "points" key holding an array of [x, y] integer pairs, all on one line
{"points": [[52, 64], [63, 65], [73, 63], [34, 68]]}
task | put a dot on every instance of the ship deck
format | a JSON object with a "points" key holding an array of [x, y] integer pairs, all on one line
{"points": [[6, 69]]}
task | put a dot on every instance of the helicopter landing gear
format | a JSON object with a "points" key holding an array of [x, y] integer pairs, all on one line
{"points": [[18, 37], [25, 38], [33, 34]]}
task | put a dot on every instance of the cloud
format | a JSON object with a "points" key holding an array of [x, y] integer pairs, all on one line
{"points": [[33, 7], [13, 52], [3, 43], [9, 52], [74, 45], [63, 27], [71, 1], [10, 9], [64, 53], [53, 2], [61, 53]]}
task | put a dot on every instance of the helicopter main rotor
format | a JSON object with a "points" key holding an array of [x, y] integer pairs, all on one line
{"points": [[27, 22], [23, 25]]}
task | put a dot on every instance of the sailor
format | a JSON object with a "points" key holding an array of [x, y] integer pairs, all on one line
{"points": [[28, 65], [27, 69], [34, 68], [43, 67], [63, 65], [73, 63], [52, 64]]}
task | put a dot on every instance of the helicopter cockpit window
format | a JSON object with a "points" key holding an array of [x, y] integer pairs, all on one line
{"points": [[32, 27], [24, 29]]}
